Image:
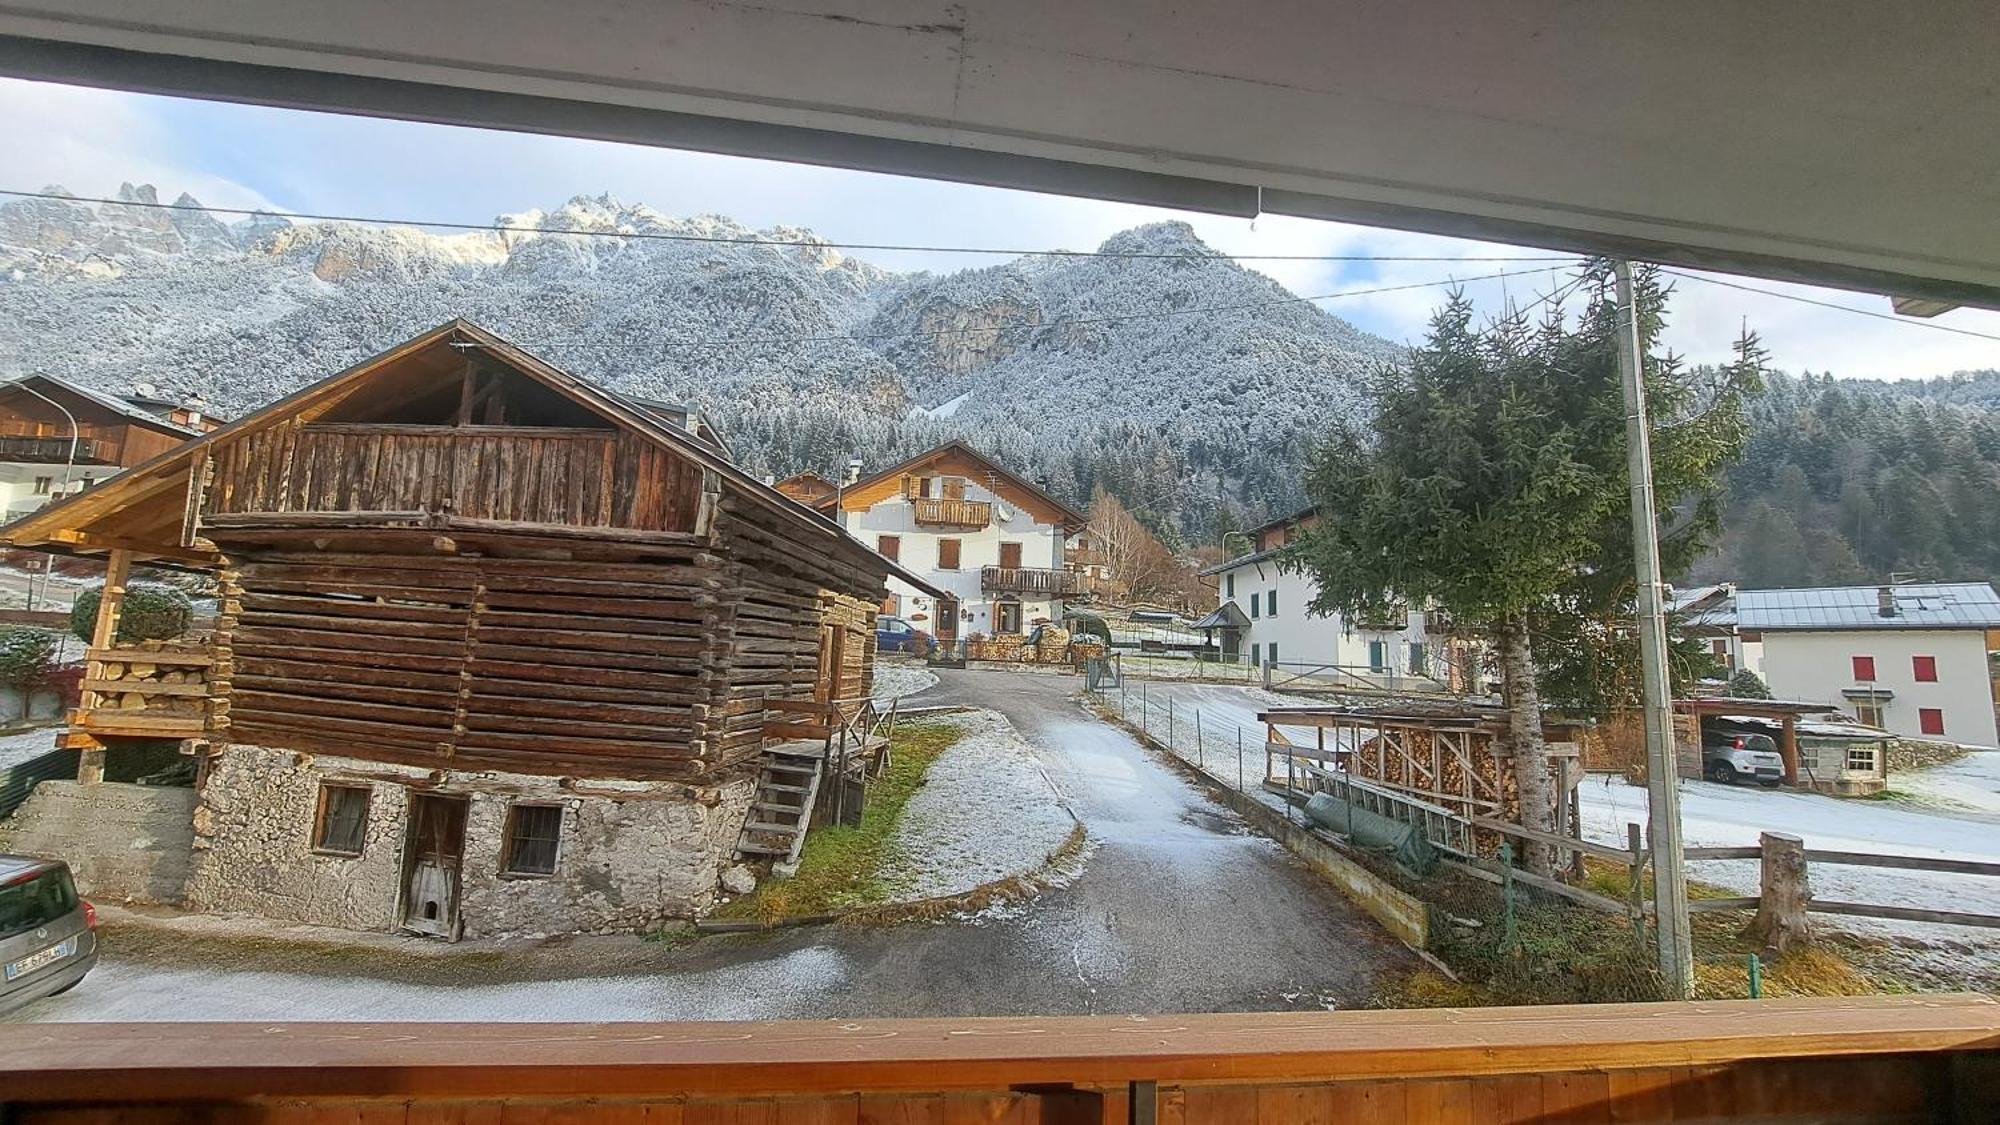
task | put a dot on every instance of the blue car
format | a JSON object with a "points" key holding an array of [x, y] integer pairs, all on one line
{"points": [[893, 634]]}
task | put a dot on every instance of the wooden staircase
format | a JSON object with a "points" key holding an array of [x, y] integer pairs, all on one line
{"points": [[788, 783], [823, 744]]}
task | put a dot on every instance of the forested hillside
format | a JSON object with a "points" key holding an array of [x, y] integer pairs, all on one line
{"points": [[1849, 481]]}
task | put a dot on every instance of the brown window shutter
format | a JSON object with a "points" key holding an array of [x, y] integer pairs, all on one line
{"points": [[1010, 556], [890, 547], [947, 554]]}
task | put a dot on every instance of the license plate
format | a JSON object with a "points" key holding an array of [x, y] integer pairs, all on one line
{"points": [[46, 957]]}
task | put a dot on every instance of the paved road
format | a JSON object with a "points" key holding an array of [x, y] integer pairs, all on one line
{"points": [[1179, 907]]}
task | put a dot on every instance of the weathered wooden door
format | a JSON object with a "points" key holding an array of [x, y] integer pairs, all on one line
{"points": [[947, 620], [436, 852]]}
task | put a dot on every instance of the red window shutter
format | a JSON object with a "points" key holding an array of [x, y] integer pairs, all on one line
{"points": [[1864, 669], [1925, 668], [1930, 720]]}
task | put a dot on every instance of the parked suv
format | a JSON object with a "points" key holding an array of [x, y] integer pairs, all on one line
{"points": [[48, 937], [1728, 756]]}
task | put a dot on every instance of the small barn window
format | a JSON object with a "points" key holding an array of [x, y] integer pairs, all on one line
{"points": [[341, 824], [1930, 720], [532, 834]]}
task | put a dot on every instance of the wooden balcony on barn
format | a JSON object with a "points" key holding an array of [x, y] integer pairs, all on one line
{"points": [[1035, 581], [969, 515]]}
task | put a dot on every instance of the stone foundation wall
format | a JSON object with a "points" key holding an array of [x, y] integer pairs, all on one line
{"points": [[125, 843], [631, 854]]}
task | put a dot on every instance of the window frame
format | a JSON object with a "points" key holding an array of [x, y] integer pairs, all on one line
{"points": [[1868, 713], [1863, 668], [510, 841], [1229, 585], [1271, 602], [1256, 654], [1930, 721], [323, 814], [1271, 654], [1924, 668], [45, 486]]}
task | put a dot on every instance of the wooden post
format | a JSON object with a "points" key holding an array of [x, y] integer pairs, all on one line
{"points": [[1781, 905], [103, 635], [1788, 748]]}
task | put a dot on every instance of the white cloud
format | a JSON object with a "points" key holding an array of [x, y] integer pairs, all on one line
{"points": [[91, 141]]}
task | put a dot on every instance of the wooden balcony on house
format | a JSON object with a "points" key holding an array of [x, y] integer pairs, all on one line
{"points": [[1035, 580], [963, 514], [142, 693]]}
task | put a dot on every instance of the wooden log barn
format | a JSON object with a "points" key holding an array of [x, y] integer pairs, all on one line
{"points": [[497, 650]]}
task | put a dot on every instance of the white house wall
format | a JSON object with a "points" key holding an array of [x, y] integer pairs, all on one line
{"points": [[1041, 549], [1304, 639], [1818, 667]]}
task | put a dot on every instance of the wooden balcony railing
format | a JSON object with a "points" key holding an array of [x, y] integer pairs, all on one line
{"points": [[54, 450], [1855, 1061], [1033, 580], [969, 514]]}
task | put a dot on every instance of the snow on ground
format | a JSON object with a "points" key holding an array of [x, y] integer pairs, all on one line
{"points": [[1971, 783], [986, 812], [18, 748], [1715, 815], [895, 679], [791, 986]]}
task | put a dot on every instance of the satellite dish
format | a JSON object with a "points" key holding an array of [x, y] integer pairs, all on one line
{"points": [[1001, 511]]}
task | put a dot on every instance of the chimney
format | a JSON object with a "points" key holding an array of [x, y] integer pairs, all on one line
{"points": [[1885, 601]]}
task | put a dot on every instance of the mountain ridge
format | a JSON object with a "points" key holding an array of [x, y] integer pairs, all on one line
{"points": [[1083, 371]]}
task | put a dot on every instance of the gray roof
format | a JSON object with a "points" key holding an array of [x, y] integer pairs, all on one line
{"points": [[1240, 560], [1951, 605], [109, 402]]}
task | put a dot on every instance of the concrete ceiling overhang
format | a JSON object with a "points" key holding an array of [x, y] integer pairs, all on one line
{"points": [[1838, 142]]}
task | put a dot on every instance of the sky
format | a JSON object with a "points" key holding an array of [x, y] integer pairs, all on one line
{"points": [[91, 141]]}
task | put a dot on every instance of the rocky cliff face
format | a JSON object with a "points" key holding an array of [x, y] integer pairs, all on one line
{"points": [[1084, 371]]}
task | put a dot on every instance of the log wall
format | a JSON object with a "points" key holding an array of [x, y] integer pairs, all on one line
{"points": [[587, 668]]}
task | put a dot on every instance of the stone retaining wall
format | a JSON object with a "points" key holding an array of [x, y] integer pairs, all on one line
{"points": [[125, 843]]}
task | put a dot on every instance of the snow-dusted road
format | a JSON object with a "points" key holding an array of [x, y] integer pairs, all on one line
{"points": [[1179, 908]]}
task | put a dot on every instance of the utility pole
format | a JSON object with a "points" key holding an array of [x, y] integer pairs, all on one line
{"points": [[1663, 798]]}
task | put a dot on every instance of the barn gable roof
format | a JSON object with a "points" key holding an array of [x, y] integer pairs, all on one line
{"points": [[142, 509]]}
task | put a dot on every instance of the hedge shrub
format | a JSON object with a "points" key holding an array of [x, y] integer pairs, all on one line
{"points": [[150, 613], [27, 656]]}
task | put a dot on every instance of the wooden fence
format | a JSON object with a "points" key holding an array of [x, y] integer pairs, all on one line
{"points": [[1786, 860], [19, 780]]}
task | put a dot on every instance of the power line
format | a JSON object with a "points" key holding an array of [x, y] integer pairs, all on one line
{"points": [[727, 240], [1891, 317], [1151, 314]]}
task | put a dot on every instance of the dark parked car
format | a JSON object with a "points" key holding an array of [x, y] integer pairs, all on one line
{"points": [[893, 634], [48, 937]]}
